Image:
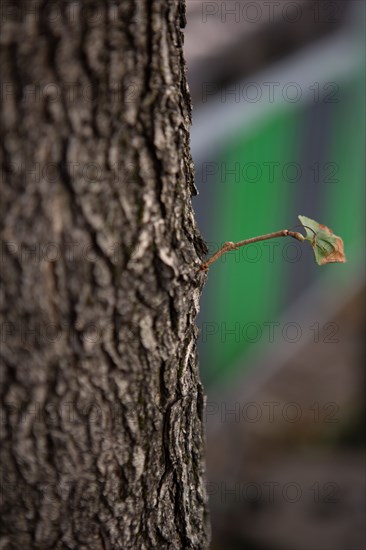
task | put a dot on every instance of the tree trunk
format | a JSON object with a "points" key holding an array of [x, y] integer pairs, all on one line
{"points": [[102, 407]]}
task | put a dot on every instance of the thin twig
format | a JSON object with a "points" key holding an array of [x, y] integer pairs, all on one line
{"points": [[233, 246]]}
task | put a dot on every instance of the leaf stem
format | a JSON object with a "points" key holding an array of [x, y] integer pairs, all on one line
{"points": [[234, 246]]}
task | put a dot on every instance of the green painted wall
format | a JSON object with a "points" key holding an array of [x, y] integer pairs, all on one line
{"points": [[248, 287]]}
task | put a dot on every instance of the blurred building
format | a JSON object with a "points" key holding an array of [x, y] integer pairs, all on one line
{"points": [[279, 130]]}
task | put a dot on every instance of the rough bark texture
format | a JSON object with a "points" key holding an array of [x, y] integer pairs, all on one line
{"points": [[101, 415]]}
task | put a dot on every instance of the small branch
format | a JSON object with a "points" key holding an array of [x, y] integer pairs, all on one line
{"points": [[234, 246]]}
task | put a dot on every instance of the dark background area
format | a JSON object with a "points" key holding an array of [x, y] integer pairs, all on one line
{"points": [[278, 130]]}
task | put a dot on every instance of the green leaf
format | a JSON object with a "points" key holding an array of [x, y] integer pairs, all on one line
{"points": [[327, 247]]}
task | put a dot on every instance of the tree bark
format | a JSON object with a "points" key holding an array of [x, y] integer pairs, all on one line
{"points": [[102, 441]]}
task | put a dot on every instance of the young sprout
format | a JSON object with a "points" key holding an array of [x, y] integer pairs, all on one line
{"points": [[328, 248]]}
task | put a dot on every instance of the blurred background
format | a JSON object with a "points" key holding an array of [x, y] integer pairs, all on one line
{"points": [[278, 91]]}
